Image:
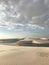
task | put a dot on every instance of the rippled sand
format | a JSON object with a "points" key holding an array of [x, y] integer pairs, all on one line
{"points": [[20, 55]]}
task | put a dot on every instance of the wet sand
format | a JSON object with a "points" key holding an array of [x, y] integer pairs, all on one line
{"points": [[20, 55]]}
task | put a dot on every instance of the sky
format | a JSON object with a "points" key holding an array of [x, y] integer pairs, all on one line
{"points": [[24, 18]]}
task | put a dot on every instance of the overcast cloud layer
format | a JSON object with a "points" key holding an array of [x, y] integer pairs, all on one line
{"points": [[24, 14]]}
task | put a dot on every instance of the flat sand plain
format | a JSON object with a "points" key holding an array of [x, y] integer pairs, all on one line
{"points": [[20, 55]]}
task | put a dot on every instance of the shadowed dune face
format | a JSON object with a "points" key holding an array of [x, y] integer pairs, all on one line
{"points": [[8, 40], [24, 43], [31, 43]]}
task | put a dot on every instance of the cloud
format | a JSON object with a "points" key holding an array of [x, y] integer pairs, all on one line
{"points": [[17, 14]]}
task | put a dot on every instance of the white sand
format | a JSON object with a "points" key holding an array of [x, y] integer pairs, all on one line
{"points": [[18, 55], [40, 41]]}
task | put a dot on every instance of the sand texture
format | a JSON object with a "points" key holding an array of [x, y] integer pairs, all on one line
{"points": [[20, 55]]}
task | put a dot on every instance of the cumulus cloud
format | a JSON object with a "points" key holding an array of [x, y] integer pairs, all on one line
{"points": [[24, 14]]}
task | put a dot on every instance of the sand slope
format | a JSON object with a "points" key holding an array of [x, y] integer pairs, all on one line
{"points": [[16, 55]]}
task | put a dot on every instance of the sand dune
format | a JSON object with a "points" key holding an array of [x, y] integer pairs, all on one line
{"points": [[32, 42], [40, 41], [24, 43], [19, 55]]}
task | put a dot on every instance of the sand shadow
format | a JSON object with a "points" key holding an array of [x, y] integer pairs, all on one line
{"points": [[18, 42], [35, 45], [40, 45], [26, 43]]}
